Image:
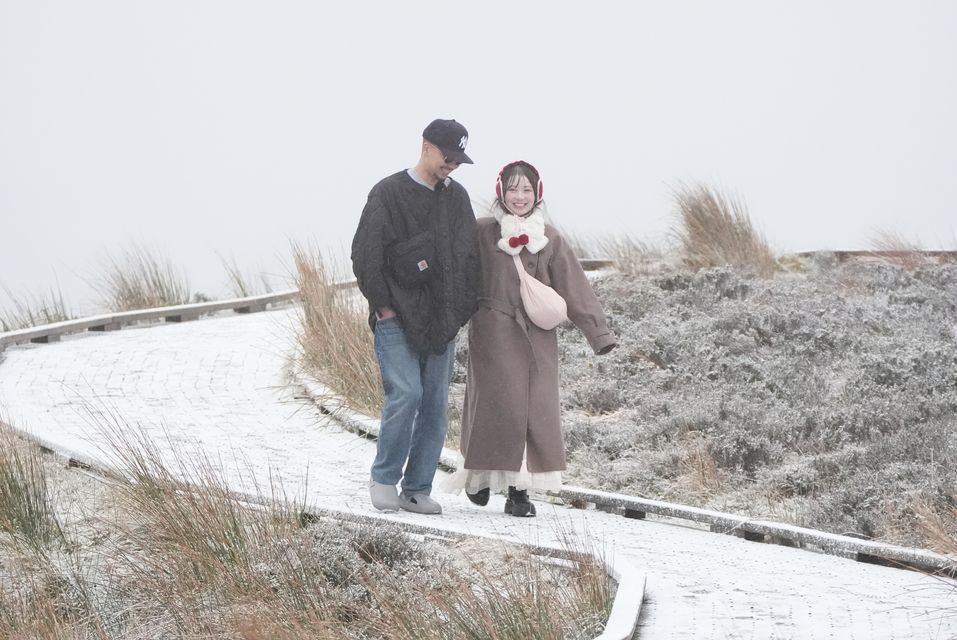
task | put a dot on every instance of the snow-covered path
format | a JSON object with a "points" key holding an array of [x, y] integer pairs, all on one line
{"points": [[218, 385]]}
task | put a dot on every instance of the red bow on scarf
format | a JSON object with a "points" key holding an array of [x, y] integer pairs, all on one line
{"points": [[515, 241]]}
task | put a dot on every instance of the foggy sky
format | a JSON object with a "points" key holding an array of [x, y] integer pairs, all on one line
{"points": [[221, 128]]}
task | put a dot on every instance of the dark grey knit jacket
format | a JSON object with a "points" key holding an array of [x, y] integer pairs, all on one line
{"points": [[399, 208]]}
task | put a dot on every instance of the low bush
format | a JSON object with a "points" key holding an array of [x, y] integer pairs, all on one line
{"points": [[827, 397]]}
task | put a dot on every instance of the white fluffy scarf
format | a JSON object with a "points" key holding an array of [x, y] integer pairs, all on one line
{"points": [[532, 227]]}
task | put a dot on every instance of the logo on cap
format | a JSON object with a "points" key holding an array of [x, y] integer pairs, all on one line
{"points": [[449, 136]]}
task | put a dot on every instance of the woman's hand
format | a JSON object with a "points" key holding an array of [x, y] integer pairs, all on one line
{"points": [[607, 349]]}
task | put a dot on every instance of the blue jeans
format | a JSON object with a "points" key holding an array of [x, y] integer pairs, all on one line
{"points": [[415, 412]]}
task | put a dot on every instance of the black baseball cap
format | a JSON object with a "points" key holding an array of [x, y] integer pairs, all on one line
{"points": [[449, 136]]}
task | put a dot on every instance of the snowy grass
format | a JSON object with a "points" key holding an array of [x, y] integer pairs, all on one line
{"points": [[141, 279], [894, 248], [43, 587], [510, 594], [939, 529], [715, 231], [31, 311], [163, 549], [242, 284], [824, 398], [628, 253], [347, 363], [27, 516]]}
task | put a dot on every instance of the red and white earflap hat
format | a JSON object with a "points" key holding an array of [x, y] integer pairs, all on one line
{"points": [[519, 232], [500, 188]]}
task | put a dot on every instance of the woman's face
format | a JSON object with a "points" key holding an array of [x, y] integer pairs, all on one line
{"points": [[519, 196]]}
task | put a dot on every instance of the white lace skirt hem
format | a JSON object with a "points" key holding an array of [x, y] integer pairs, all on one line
{"points": [[495, 480]]}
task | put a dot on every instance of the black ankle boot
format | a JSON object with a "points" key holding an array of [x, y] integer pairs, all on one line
{"points": [[518, 505], [480, 497]]}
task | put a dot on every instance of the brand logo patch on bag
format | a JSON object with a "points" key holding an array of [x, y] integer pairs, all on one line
{"points": [[422, 265]]}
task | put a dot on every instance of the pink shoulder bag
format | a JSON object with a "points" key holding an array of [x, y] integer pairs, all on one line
{"points": [[544, 306]]}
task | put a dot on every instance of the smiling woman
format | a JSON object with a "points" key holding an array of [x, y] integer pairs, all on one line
{"points": [[511, 420]]}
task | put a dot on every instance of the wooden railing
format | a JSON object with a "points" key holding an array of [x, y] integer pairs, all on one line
{"points": [[180, 313], [113, 321]]}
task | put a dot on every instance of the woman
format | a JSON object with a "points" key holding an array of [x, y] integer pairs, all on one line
{"points": [[511, 423]]}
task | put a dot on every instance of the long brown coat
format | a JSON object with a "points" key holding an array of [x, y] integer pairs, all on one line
{"points": [[511, 395]]}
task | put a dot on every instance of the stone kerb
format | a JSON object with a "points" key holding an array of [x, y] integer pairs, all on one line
{"points": [[763, 531]]}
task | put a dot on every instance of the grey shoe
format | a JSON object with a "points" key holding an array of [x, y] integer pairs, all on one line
{"points": [[384, 497], [419, 503]]}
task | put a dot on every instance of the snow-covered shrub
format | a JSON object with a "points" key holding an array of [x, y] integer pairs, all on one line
{"points": [[817, 392]]}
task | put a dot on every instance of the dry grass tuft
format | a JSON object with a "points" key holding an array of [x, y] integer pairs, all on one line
{"points": [[594, 589], [27, 515], [701, 471], [335, 342], [45, 591], [894, 248], [938, 530], [242, 285], [716, 231], [210, 560], [33, 311], [629, 254], [174, 553], [514, 596], [141, 279]]}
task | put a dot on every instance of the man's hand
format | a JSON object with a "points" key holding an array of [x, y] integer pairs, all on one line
{"points": [[385, 313]]}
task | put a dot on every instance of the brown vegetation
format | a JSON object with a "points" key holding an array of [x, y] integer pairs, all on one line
{"points": [[31, 311], [628, 253], [893, 248], [716, 231], [243, 285], [335, 343], [164, 548], [141, 279]]}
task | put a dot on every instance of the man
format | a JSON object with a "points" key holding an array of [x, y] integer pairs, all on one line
{"points": [[415, 258]]}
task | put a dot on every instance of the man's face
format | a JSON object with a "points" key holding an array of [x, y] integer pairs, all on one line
{"points": [[438, 166]]}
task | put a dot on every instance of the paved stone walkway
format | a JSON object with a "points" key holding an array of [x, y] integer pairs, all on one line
{"points": [[218, 385]]}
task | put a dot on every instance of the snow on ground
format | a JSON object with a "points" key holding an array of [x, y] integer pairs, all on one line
{"points": [[218, 385]]}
